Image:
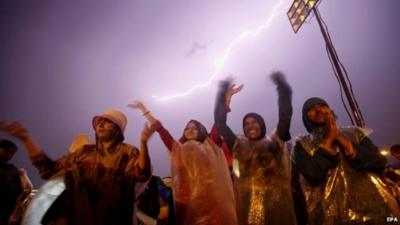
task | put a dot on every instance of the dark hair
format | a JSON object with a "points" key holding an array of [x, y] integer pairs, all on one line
{"points": [[203, 134], [8, 145], [120, 138], [149, 200]]}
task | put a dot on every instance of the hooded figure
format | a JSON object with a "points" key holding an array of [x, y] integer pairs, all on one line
{"points": [[340, 168], [261, 165], [98, 178], [201, 183]]}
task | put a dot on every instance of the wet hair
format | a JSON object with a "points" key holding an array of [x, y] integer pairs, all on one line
{"points": [[259, 120], [203, 134]]}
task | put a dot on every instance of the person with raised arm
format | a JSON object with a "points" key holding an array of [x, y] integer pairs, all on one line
{"points": [[99, 178], [261, 164], [201, 183]]}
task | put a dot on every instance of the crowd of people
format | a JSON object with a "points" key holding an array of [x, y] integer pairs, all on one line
{"points": [[331, 175]]}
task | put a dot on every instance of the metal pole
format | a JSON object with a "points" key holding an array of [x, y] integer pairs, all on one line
{"points": [[350, 97]]}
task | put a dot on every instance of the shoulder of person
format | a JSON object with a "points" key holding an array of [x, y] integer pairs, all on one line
{"points": [[88, 147], [305, 140], [130, 149], [84, 149], [302, 138], [355, 133]]}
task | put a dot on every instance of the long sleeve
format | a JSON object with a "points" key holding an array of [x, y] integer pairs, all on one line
{"points": [[214, 135], [166, 137], [315, 167], [46, 166], [220, 116], [368, 158], [285, 109], [132, 169]]}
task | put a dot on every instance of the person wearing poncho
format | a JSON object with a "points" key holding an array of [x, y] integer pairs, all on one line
{"points": [[261, 164], [341, 167], [201, 184], [99, 179]]}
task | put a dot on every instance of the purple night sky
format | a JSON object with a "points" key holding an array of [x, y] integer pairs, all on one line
{"points": [[62, 62]]}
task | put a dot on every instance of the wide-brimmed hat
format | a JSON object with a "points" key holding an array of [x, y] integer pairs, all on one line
{"points": [[115, 116]]}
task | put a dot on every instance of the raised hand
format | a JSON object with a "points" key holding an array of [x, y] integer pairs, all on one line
{"points": [[138, 105], [15, 129], [232, 91], [146, 113], [147, 132], [332, 130], [278, 77]]}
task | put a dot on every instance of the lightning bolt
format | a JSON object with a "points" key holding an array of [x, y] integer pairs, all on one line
{"points": [[219, 62]]}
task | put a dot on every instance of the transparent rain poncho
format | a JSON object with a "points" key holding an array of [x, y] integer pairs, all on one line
{"points": [[201, 184], [262, 181], [347, 196]]}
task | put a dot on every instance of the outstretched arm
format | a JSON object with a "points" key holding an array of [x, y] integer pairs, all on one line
{"points": [[225, 92], [46, 166], [16, 130], [284, 105], [166, 137]]}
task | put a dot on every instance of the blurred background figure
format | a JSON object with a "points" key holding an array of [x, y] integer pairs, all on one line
{"points": [[79, 141], [395, 151], [392, 170], [24, 199], [10, 181], [155, 204]]}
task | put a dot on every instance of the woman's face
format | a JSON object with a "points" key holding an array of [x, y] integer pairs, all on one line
{"points": [[105, 129], [252, 129], [191, 131], [318, 114]]}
